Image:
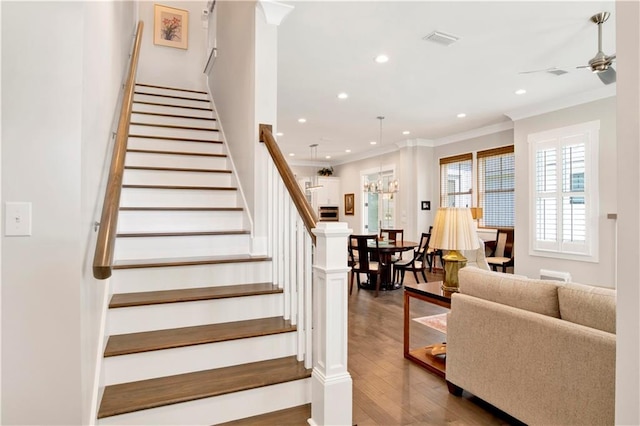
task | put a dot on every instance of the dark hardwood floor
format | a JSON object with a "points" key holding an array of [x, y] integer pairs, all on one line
{"points": [[390, 390]]}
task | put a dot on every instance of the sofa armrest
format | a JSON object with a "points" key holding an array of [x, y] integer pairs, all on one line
{"points": [[539, 369]]}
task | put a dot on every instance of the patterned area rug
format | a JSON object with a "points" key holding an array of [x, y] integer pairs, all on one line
{"points": [[437, 322]]}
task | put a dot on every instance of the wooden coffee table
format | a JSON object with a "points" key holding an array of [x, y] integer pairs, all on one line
{"points": [[432, 293]]}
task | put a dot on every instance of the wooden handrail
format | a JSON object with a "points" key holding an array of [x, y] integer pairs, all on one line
{"points": [[302, 205], [105, 244]]}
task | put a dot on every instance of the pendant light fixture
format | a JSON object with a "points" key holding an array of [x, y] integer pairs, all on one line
{"points": [[378, 186], [314, 180]]}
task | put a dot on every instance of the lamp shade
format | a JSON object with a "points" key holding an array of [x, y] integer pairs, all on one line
{"points": [[454, 229]]}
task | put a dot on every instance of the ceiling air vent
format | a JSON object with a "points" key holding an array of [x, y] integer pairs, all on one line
{"points": [[558, 72], [441, 38]]}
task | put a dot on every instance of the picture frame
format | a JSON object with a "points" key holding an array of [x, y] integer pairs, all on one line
{"points": [[349, 204], [425, 205], [170, 26]]}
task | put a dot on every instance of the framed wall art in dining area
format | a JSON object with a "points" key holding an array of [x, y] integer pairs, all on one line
{"points": [[170, 26], [349, 204]]}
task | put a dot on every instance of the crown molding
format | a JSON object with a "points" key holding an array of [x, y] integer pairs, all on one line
{"points": [[475, 133], [565, 102]]}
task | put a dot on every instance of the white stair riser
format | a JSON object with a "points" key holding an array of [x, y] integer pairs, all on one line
{"points": [[171, 101], [174, 160], [137, 106], [141, 197], [174, 121], [172, 177], [195, 276], [178, 221], [186, 314], [205, 135], [171, 92], [162, 247], [179, 146], [222, 408], [168, 362]]}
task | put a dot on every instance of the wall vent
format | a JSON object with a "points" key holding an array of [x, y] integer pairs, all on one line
{"points": [[441, 38], [546, 274]]}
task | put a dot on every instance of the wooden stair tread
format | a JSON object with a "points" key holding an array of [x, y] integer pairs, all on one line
{"points": [[161, 95], [173, 126], [187, 261], [145, 394], [155, 151], [189, 187], [294, 416], [171, 88], [172, 105], [145, 341], [188, 209], [175, 138], [160, 114], [176, 169], [182, 233], [125, 300]]}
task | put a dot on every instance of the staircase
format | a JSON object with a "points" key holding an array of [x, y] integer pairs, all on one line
{"points": [[196, 329]]}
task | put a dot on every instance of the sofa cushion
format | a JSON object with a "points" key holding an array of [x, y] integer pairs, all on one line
{"points": [[593, 307], [539, 296]]}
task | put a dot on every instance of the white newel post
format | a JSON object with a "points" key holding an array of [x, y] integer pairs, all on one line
{"points": [[331, 386]]}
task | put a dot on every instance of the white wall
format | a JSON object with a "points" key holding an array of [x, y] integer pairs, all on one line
{"points": [[170, 66], [628, 190], [59, 93], [232, 85], [108, 37], [601, 273], [41, 164], [243, 83]]}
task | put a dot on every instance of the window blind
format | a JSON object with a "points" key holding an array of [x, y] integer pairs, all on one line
{"points": [[496, 187], [456, 181]]}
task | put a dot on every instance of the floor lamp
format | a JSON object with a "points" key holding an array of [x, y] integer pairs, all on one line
{"points": [[453, 230]]}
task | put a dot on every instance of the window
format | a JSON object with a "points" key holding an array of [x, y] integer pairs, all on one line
{"points": [[496, 187], [456, 181], [564, 186]]}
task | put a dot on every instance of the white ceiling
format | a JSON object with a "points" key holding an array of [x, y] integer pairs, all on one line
{"points": [[328, 47]]}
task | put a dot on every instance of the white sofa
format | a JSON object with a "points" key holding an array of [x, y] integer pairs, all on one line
{"points": [[541, 351]]}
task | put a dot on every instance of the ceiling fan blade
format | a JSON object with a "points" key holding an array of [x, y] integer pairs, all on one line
{"points": [[535, 71], [608, 76]]}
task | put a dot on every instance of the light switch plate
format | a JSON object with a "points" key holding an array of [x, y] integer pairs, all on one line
{"points": [[17, 220]]}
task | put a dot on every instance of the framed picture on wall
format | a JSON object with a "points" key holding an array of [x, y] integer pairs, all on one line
{"points": [[170, 26], [349, 204]]}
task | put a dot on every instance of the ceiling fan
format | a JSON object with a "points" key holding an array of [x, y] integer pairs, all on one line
{"points": [[600, 64]]}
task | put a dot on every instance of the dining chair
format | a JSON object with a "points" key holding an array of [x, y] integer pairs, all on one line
{"points": [[362, 246], [393, 235], [417, 263], [503, 254], [432, 254]]}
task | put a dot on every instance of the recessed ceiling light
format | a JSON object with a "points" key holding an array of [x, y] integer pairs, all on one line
{"points": [[381, 59], [461, 115], [279, 134], [520, 92], [406, 132], [373, 142], [343, 95], [327, 156], [291, 154], [347, 150], [302, 120]]}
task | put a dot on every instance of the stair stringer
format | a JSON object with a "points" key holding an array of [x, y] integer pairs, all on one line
{"points": [[259, 244]]}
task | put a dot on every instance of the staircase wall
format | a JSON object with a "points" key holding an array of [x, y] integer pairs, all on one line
{"points": [[60, 84], [179, 67], [243, 83]]}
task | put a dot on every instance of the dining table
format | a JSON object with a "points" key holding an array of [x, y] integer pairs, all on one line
{"points": [[384, 252]]}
